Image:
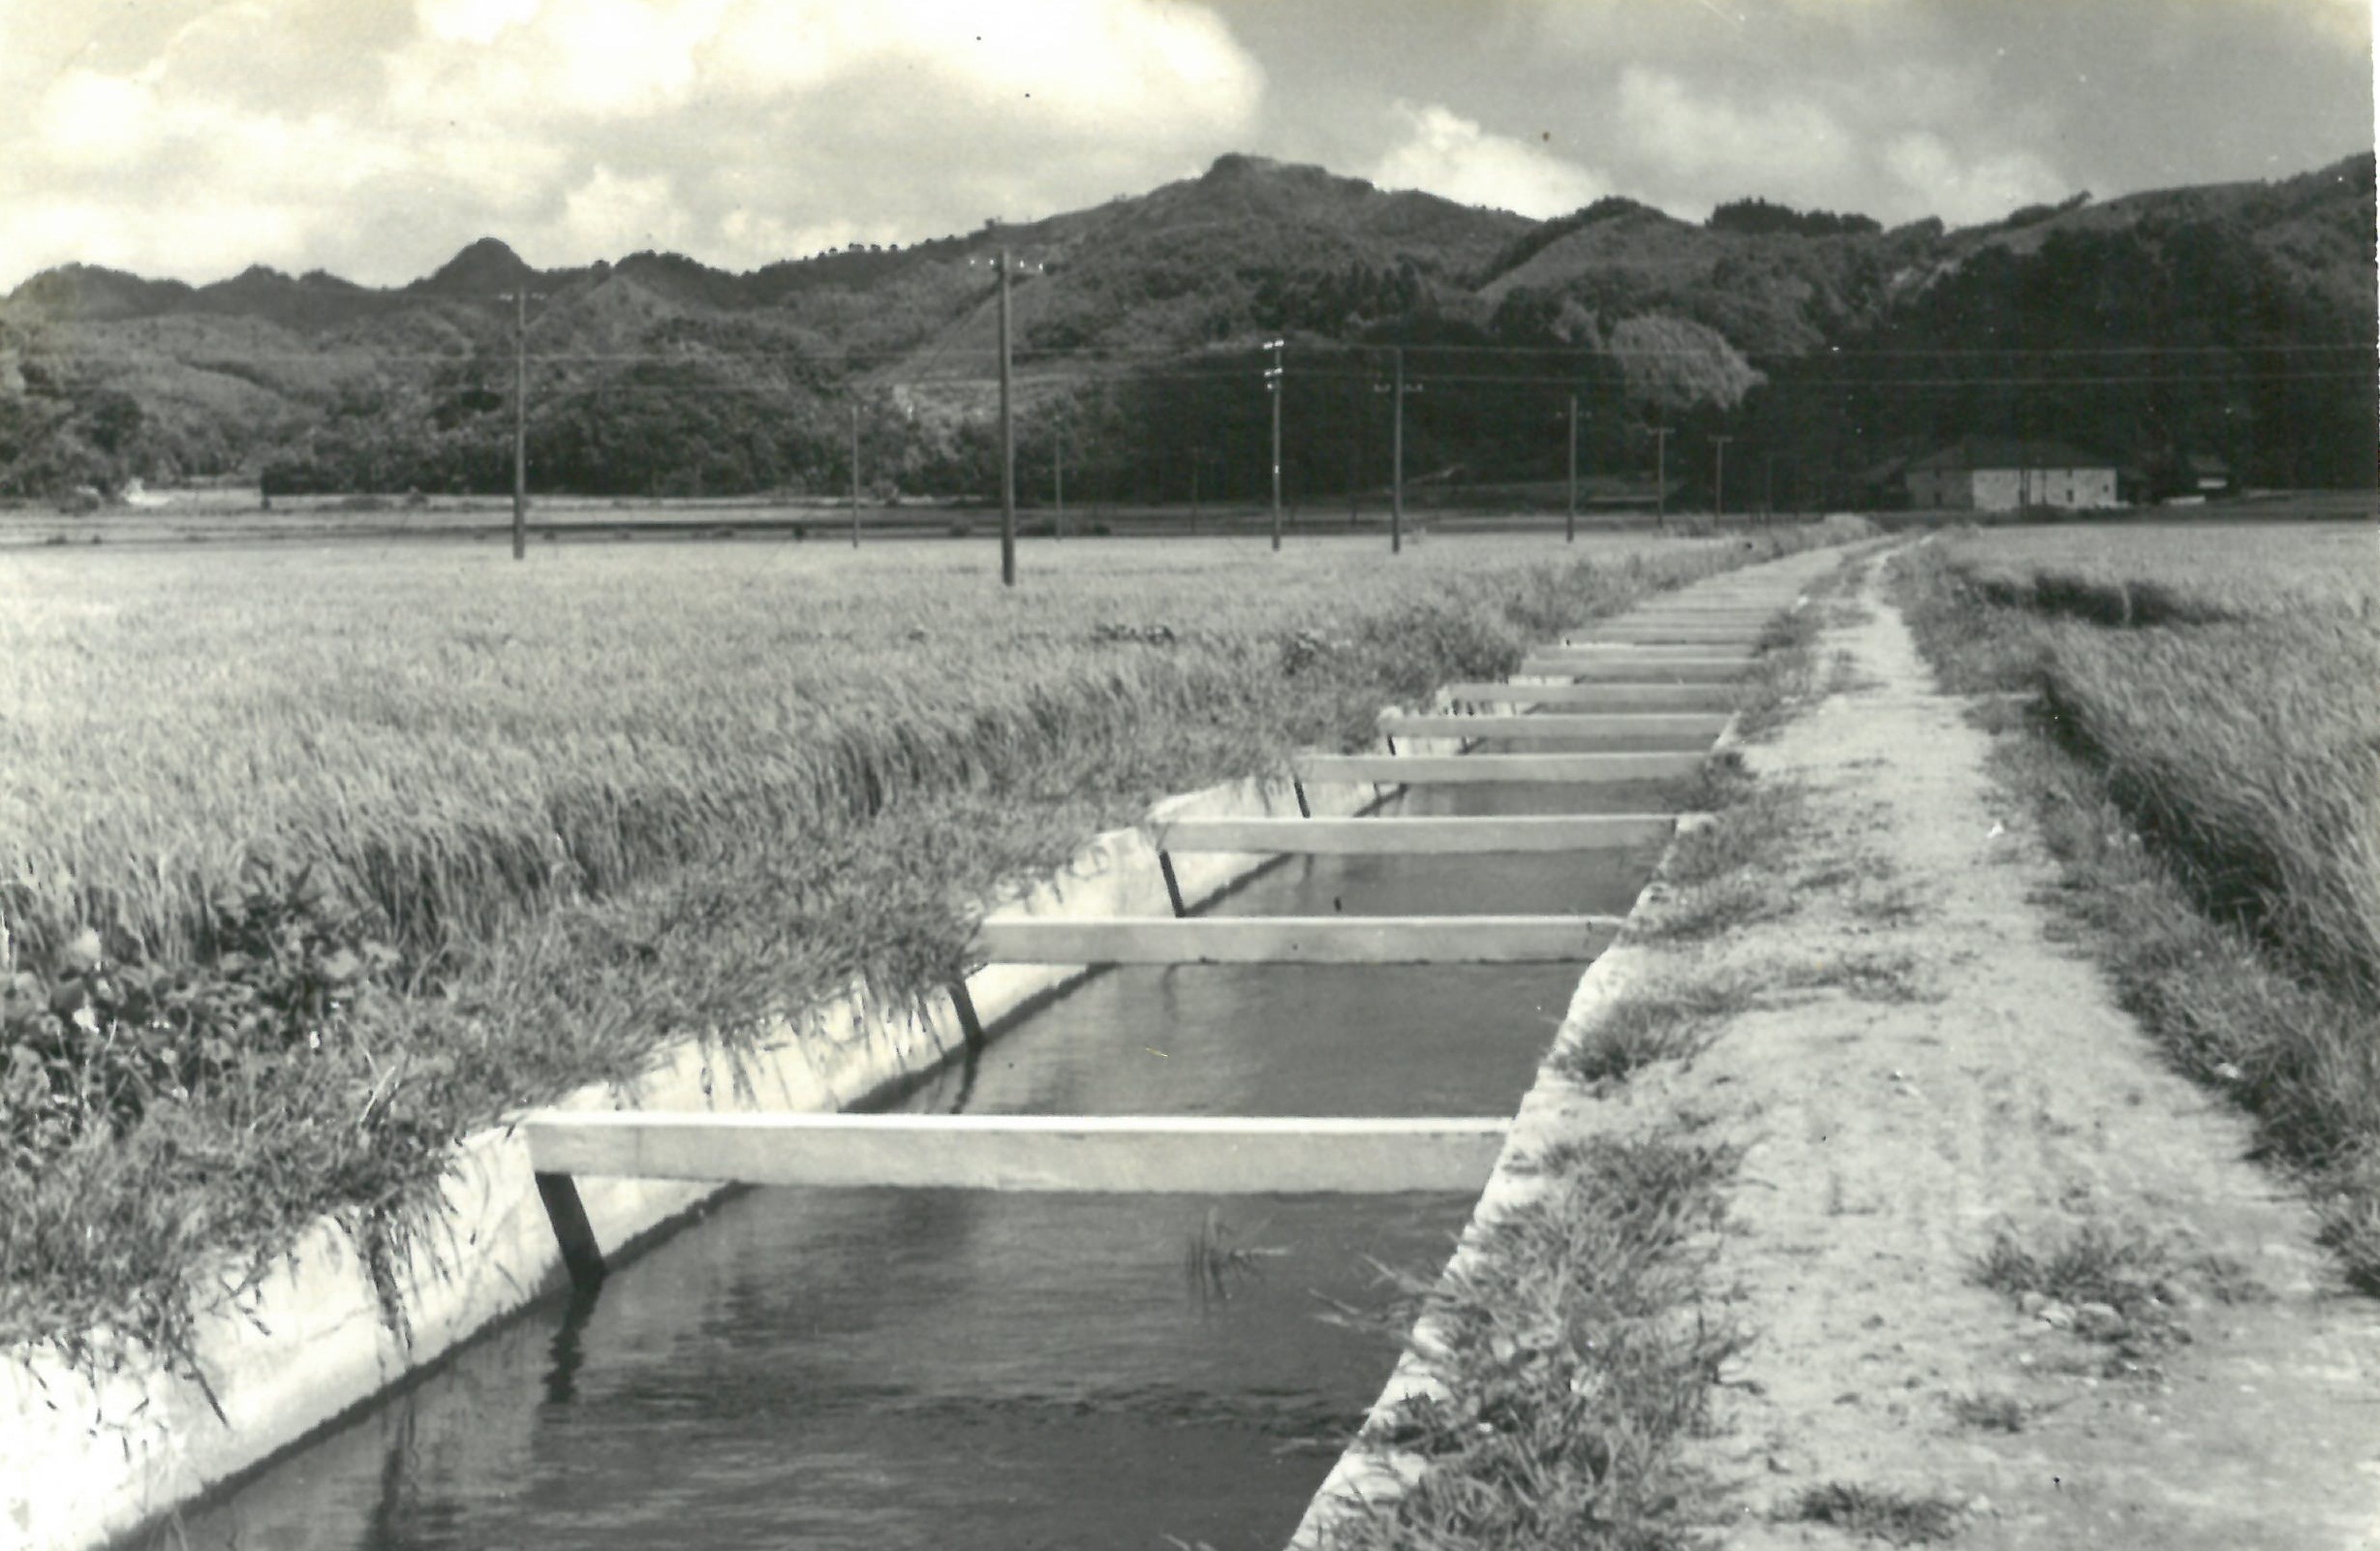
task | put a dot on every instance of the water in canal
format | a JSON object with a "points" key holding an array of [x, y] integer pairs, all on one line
{"points": [[888, 1370]]}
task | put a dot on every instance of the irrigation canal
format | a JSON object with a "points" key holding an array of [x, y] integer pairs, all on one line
{"points": [[889, 1370]]}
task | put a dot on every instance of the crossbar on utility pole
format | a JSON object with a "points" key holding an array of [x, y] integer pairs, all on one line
{"points": [[1008, 441]]}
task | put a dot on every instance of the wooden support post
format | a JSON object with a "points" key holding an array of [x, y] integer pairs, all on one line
{"points": [[1173, 885], [581, 1255], [1298, 939], [970, 1023], [1194, 1155]]}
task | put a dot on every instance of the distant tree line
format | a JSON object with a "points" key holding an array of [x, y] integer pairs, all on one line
{"points": [[1827, 361]]}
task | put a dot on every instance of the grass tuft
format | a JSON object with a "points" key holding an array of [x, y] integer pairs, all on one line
{"points": [[1575, 1361], [2123, 1267], [1870, 976], [1895, 1518], [1991, 1413], [1668, 1023]]}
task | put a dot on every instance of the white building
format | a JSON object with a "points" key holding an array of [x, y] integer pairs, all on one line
{"points": [[1986, 473]]}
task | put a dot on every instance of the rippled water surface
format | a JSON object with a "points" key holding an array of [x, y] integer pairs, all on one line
{"points": [[921, 1369]]}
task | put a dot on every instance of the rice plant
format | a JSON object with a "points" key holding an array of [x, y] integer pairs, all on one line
{"points": [[311, 860]]}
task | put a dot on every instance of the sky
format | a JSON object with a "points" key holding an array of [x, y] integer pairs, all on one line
{"points": [[375, 138]]}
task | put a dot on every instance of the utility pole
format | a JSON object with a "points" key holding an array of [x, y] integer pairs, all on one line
{"points": [[855, 474], [1718, 478], [1660, 477], [1008, 441], [1396, 509], [1396, 449], [520, 421], [1768, 488], [1058, 477], [1273, 381], [1355, 451], [1569, 527]]}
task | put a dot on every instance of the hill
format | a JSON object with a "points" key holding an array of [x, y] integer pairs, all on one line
{"points": [[1137, 324]]}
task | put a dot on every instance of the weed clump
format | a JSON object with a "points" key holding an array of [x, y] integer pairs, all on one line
{"points": [[1991, 1413], [1896, 1518], [1666, 1024], [1575, 1363], [1726, 872]]}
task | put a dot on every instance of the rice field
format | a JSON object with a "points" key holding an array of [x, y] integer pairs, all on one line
{"points": [[311, 860], [2217, 693], [2228, 569]]}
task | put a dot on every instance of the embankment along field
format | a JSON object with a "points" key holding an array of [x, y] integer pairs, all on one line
{"points": [[2209, 727], [314, 858]]}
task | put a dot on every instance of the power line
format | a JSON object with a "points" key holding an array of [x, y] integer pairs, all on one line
{"points": [[1100, 353]]}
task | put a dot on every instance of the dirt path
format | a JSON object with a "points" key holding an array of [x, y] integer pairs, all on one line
{"points": [[1951, 1073]]}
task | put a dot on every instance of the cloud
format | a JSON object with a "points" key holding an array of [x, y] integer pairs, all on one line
{"points": [[376, 141], [477, 22], [1966, 190], [1721, 146], [611, 215], [88, 120], [1452, 156]]}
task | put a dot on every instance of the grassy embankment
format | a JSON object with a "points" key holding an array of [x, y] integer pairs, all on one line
{"points": [[2202, 745], [1572, 1348], [312, 861]]}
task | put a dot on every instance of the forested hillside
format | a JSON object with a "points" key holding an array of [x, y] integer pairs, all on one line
{"points": [[2234, 321]]}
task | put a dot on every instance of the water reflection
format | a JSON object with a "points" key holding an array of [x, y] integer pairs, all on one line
{"points": [[888, 1368]]}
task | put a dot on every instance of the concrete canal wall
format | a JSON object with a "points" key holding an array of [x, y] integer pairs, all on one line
{"points": [[289, 1355], [1368, 1473]]}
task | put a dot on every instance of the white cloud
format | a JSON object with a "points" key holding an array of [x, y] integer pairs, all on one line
{"points": [[1113, 67], [1450, 155], [88, 119], [610, 214], [376, 140], [1781, 147], [1965, 191], [476, 21]]}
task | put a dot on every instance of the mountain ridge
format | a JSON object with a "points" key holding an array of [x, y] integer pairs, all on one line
{"points": [[256, 369]]}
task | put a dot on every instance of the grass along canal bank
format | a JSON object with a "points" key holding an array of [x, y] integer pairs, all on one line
{"points": [[1562, 1365], [2193, 716], [1902, 1231], [165, 1135]]}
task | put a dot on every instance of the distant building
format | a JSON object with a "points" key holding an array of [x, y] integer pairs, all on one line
{"points": [[2205, 474], [1988, 473]]}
